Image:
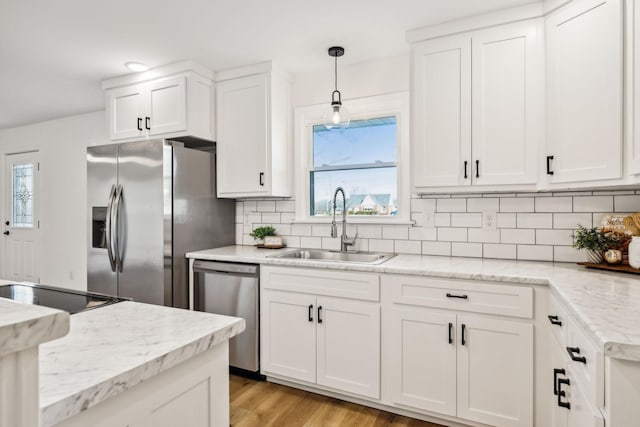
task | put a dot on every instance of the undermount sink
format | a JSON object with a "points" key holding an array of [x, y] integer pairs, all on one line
{"points": [[336, 256]]}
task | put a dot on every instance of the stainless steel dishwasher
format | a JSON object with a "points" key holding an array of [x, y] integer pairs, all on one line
{"points": [[233, 290]]}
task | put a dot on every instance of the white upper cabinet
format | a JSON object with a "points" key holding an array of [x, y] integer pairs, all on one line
{"points": [[507, 94], [177, 101], [441, 112], [584, 91], [633, 86], [476, 108], [253, 136]]}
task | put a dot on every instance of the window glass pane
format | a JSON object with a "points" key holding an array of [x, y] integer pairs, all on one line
{"points": [[22, 195], [369, 191], [363, 142]]}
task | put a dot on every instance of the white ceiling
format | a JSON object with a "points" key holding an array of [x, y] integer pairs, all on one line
{"points": [[53, 54]]}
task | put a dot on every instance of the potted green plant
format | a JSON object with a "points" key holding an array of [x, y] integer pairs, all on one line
{"points": [[595, 242], [261, 232]]}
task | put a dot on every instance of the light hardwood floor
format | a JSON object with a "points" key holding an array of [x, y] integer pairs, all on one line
{"points": [[259, 403]]}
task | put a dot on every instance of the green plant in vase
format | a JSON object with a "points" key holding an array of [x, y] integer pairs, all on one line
{"points": [[261, 232], [595, 242]]}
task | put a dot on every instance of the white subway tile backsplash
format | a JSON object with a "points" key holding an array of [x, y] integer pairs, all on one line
{"points": [[535, 252], [311, 242], [466, 219], [452, 234], [483, 205], [271, 218], [572, 220], [379, 245], [593, 204], [531, 226], [443, 220], [436, 248], [534, 220], [506, 220], [491, 250], [301, 229], [466, 249], [484, 236], [451, 205], [285, 206], [516, 204], [626, 203], [266, 206], [554, 237], [553, 204], [422, 233], [408, 247], [394, 232], [509, 235], [370, 231]]}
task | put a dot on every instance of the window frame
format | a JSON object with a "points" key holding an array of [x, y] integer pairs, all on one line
{"points": [[394, 104]]}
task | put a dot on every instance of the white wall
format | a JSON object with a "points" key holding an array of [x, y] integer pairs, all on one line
{"points": [[62, 146]]}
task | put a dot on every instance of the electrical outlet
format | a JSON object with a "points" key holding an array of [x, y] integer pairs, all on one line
{"points": [[428, 219], [489, 219]]}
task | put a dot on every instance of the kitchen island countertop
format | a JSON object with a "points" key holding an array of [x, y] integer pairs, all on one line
{"points": [[605, 304], [111, 349]]}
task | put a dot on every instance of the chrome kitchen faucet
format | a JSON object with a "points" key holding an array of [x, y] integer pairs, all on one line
{"points": [[345, 241]]}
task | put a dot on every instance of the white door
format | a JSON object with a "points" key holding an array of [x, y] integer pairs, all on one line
{"points": [[21, 217], [288, 334], [558, 370], [242, 136], [167, 106], [581, 413], [441, 113], [584, 91], [633, 85], [423, 359], [349, 345], [126, 112], [495, 371], [508, 73]]}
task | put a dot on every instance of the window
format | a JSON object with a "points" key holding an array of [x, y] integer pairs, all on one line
{"points": [[22, 195], [366, 160], [362, 160]]}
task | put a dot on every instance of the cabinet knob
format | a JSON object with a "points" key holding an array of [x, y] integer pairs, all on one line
{"points": [[6, 233]]}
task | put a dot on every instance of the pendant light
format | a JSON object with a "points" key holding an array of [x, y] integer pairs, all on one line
{"points": [[337, 116]]}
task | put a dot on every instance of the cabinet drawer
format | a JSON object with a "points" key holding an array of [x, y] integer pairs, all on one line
{"points": [[463, 295], [587, 363], [558, 321], [346, 284]]}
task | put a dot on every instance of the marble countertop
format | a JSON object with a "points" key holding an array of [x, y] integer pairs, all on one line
{"points": [[111, 349], [23, 326], [605, 304]]}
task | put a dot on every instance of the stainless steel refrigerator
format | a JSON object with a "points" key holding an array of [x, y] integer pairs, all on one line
{"points": [[150, 202]]}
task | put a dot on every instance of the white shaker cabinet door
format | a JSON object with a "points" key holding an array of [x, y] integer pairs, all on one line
{"points": [[126, 112], [243, 136], [167, 106], [584, 91], [288, 335], [495, 371], [581, 413], [349, 345], [423, 360], [441, 113], [508, 70]]}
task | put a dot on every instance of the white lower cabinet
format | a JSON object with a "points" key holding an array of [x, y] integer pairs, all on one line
{"points": [[329, 341], [474, 367]]}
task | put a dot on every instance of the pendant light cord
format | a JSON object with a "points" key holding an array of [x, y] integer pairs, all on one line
{"points": [[336, 71]]}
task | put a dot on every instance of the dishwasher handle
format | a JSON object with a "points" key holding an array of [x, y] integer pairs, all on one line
{"points": [[201, 266]]}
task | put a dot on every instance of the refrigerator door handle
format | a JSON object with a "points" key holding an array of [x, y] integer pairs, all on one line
{"points": [[107, 228], [116, 228]]}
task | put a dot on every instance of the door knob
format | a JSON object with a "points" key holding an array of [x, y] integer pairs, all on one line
{"points": [[6, 233]]}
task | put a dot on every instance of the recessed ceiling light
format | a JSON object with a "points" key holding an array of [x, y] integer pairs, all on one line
{"points": [[136, 66]]}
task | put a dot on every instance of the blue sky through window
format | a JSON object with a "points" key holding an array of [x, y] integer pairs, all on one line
{"points": [[361, 159]]}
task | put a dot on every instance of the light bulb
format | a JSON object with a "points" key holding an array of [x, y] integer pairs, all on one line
{"points": [[336, 117], [136, 66]]}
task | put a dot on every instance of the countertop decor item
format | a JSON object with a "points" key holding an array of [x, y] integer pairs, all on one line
{"points": [[337, 116], [634, 252], [613, 256], [593, 240], [261, 232]]}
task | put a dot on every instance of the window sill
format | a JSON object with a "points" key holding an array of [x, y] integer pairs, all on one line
{"points": [[356, 221]]}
